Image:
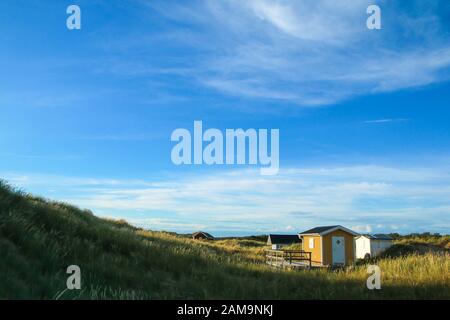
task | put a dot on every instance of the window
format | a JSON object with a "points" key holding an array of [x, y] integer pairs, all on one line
{"points": [[311, 243]]}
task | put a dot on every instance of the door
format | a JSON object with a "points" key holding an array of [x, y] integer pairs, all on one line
{"points": [[338, 250]]}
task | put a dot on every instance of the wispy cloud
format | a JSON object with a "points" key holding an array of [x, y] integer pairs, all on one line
{"points": [[309, 52], [373, 196], [379, 121], [362, 229]]}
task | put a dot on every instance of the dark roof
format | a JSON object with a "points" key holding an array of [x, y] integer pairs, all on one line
{"points": [[283, 239], [318, 229], [327, 229], [206, 234], [381, 236], [378, 236]]}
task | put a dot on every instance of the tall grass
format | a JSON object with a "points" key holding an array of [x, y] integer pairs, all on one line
{"points": [[39, 239]]}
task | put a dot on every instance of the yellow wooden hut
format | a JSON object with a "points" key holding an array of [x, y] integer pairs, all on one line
{"points": [[330, 245]]}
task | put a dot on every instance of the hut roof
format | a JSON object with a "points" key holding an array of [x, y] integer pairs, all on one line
{"points": [[378, 236], [325, 230], [283, 239], [202, 233]]}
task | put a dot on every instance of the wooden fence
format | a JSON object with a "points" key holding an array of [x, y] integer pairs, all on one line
{"points": [[288, 258]]}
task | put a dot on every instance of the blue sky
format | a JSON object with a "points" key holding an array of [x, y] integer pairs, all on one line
{"points": [[86, 115]]}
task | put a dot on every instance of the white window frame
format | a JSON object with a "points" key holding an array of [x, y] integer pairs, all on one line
{"points": [[311, 243]]}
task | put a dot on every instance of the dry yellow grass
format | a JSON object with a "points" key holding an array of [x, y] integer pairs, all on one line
{"points": [[40, 238]]}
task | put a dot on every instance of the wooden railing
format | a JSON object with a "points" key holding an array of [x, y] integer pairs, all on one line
{"points": [[288, 258]]}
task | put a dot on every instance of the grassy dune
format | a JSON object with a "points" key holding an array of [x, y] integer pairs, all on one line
{"points": [[40, 238]]}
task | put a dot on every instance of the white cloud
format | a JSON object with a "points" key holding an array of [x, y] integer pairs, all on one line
{"points": [[322, 21], [310, 52], [374, 196], [362, 229], [379, 121]]}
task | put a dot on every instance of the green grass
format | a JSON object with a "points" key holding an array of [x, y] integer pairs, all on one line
{"points": [[39, 239]]}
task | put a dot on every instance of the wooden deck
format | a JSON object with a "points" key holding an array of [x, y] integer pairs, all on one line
{"points": [[289, 259]]}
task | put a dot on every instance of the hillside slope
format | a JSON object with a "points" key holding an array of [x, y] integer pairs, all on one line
{"points": [[39, 239]]}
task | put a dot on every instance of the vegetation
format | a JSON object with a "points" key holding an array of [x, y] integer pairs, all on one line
{"points": [[39, 239], [431, 240]]}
